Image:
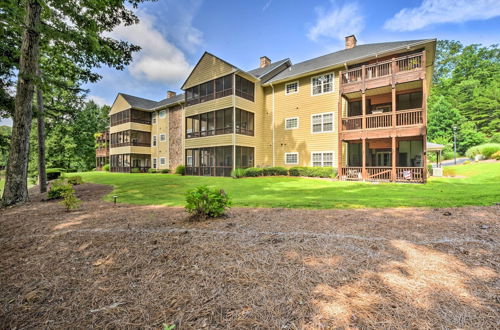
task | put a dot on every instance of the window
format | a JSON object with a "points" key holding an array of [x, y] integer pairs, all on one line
{"points": [[211, 123], [409, 101], [322, 84], [291, 158], [154, 162], [292, 123], [162, 160], [322, 122], [292, 88], [130, 138], [244, 88], [244, 122], [163, 137], [130, 115], [210, 90], [354, 109], [323, 159], [153, 117], [163, 113], [154, 140]]}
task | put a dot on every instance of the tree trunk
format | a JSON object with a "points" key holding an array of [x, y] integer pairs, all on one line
{"points": [[42, 175], [16, 185]]}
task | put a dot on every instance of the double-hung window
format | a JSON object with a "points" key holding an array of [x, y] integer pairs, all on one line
{"points": [[163, 114], [154, 162], [162, 160], [291, 158], [323, 159], [292, 88], [292, 123], [163, 137], [154, 140], [322, 84], [153, 117], [322, 122]]}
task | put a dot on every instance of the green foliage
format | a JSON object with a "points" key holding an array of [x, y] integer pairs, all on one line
{"points": [[273, 171], [57, 189], [168, 326], [468, 137], [70, 201], [441, 119], [181, 169], [496, 155], [75, 180], [5, 133], [429, 169], [137, 170], [495, 138], [150, 170], [165, 171], [318, 172], [205, 202], [238, 173], [106, 167], [254, 172], [486, 150]]}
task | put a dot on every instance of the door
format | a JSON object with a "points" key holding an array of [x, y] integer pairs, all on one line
{"points": [[383, 158]]}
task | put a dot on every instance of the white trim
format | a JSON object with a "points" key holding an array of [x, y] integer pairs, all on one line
{"points": [[153, 119], [322, 157], [154, 141], [290, 119], [292, 153], [322, 123], [319, 75], [164, 137], [164, 161], [155, 163], [292, 82]]}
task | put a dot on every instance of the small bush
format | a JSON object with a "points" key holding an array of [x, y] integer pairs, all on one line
{"points": [[495, 138], [238, 173], [273, 171], [75, 180], [150, 170], [449, 171], [496, 155], [58, 188], [181, 169], [253, 172], [70, 201], [71, 170], [466, 162], [106, 167], [165, 171], [486, 150], [206, 202], [429, 169], [316, 171], [53, 173]]}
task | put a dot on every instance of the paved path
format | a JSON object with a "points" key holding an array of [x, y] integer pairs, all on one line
{"points": [[451, 162]]}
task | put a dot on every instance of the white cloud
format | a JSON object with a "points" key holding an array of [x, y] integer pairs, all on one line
{"points": [[159, 60], [180, 15], [268, 3], [337, 22], [98, 100], [442, 11]]}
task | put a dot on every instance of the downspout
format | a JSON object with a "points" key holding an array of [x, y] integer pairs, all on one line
{"points": [[273, 125]]}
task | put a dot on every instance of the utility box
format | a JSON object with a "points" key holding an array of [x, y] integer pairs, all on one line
{"points": [[437, 171]]}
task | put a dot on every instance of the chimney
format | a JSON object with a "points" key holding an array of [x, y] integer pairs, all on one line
{"points": [[264, 61], [170, 94], [350, 41]]}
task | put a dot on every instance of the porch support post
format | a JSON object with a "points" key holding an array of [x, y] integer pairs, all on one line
{"points": [[393, 162], [424, 158], [393, 106], [339, 139], [363, 157], [363, 108]]}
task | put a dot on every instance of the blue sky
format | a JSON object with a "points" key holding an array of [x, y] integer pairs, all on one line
{"points": [[174, 34]]}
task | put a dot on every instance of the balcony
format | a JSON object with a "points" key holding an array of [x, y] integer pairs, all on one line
{"points": [[384, 120], [383, 174], [397, 70]]}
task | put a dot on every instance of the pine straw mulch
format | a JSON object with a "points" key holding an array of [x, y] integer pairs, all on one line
{"points": [[126, 266]]}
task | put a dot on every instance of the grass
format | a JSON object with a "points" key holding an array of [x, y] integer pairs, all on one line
{"points": [[481, 186]]}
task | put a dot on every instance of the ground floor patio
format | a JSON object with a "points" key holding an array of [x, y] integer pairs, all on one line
{"points": [[126, 163]]}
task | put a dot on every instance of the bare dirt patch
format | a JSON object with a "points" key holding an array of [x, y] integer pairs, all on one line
{"points": [[125, 266]]}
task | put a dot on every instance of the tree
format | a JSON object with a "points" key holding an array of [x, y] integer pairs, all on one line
{"points": [[76, 31], [442, 118], [468, 137]]}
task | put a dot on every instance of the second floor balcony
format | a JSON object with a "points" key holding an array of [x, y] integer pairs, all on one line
{"points": [[396, 70], [400, 118]]}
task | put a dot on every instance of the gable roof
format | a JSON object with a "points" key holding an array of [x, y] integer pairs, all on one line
{"points": [[198, 63], [260, 72], [170, 101], [343, 56], [150, 105]]}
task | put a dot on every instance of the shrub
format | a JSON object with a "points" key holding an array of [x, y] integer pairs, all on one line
{"points": [[75, 180], [165, 171], [106, 167], [449, 171], [272, 171], [495, 138], [206, 202], [253, 171], [58, 188], [466, 162], [70, 201], [150, 170], [238, 173], [71, 170], [496, 155], [316, 171], [429, 169], [181, 169], [53, 173], [486, 150]]}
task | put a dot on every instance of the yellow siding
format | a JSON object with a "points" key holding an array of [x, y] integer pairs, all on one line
{"points": [[221, 103], [209, 67], [130, 150], [119, 105], [127, 126], [246, 141], [161, 150], [302, 105], [209, 141]]}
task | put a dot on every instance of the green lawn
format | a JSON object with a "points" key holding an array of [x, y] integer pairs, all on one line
{"points": [[480, 187]]}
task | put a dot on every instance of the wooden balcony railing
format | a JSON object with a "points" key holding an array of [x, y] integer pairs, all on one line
{"points": [[383, 120], [378, 173], [383, 173], [410, 174], [379, 120], [352, 123], [383, 69], [409, 117], [352, 173]]}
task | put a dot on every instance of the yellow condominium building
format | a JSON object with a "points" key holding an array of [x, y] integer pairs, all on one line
{"points": [[361, 110]]}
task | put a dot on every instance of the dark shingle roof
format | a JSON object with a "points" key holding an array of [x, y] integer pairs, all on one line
{"points": [[342, 56], [259, 72], [145, 104]]}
